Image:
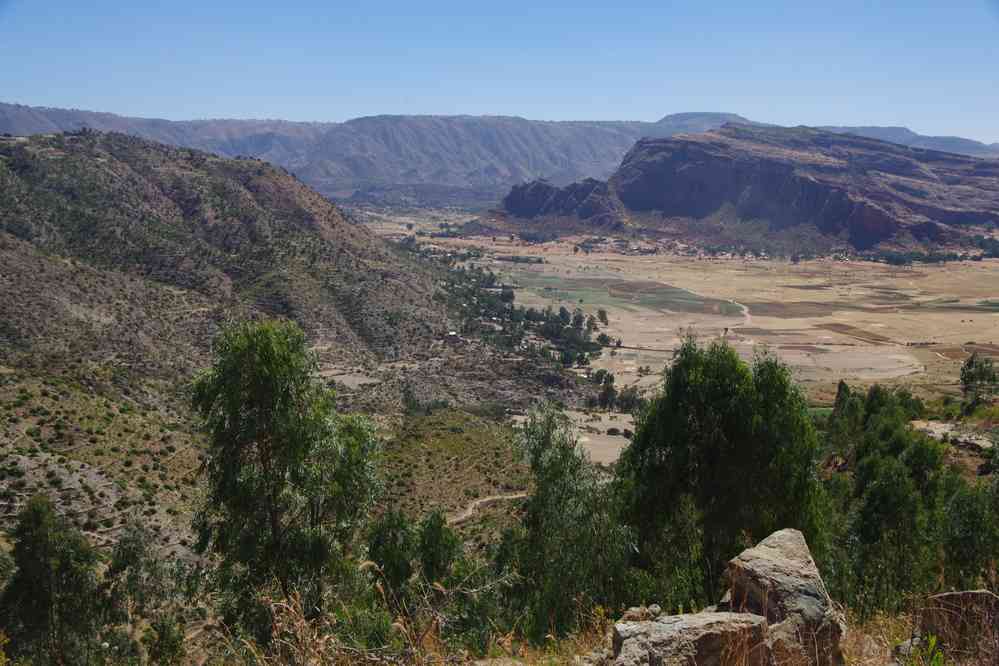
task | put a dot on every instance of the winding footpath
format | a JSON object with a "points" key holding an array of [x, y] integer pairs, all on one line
{"points": [[475, 505]]}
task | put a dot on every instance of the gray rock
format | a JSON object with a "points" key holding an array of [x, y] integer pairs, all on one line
{"points": [[779, 580], [904, 651], [640, 613], [700, 639], [777, 613]]}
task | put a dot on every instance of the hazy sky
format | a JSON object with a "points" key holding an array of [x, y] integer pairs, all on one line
{"points": [[933, 66]]}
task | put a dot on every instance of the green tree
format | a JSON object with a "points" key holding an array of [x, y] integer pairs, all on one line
{"points": [[608, 394], [165, 640], [971, 534], [891, 528], [136, 579], [978, 377], [902, 522], [628, 400], [602, 316], [439, 547], [737, 440], [846, 423], [392, 546], [52, 608], [289, 480], [572, 551]]}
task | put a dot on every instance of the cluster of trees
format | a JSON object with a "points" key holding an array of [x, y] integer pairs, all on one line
{"points": [[906, 522], [63, 602], [487, 308], [894, 258], [626, 400], [724, 455]]}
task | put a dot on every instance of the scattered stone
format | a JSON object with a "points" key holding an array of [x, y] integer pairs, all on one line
{"points": [[641, 613]]}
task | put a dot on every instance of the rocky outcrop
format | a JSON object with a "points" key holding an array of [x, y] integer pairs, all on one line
{"points": [[588, 200], [779, 580], [776, 613], [857, 188]]}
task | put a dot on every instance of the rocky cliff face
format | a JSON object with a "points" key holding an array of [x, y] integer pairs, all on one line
{"points": [[589, 200], [866, 190]]}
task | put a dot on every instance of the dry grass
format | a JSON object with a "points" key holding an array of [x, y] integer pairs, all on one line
{"points": [[870, 643]]}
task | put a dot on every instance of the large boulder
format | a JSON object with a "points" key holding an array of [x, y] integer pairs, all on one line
{"points": [[777, 612], [779, 580], [700, 639]]}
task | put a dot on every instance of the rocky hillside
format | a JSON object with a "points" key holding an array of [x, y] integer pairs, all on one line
{"points": [[854, 188], [119, 247], [119, 260]]}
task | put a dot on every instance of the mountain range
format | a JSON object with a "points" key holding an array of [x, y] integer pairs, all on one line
{"points": [[464, 160]]}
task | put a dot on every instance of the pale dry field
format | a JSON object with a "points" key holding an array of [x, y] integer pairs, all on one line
{"points": [[828, 320]]}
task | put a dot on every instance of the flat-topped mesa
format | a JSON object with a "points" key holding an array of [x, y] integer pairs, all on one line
{"points": [[861, 189]]}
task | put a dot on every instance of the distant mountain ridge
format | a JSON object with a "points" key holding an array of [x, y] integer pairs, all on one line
{"points": [[421, 159], [906, 137]]}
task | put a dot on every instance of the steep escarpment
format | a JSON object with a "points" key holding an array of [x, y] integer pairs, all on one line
{"points": [[469, 160], [864, 190]]}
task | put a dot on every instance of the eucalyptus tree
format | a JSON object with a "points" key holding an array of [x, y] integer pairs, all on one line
{"points": [[289, 479]]}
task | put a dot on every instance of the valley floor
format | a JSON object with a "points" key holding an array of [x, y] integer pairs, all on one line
{"points": [[859, 321]]}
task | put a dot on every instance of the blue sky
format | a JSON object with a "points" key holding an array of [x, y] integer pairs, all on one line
{"points": [[933, 66]]}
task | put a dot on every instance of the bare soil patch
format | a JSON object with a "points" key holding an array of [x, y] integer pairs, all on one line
{"points": [[854, 332]]}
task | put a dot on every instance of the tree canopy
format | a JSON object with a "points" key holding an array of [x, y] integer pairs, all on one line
{"points": [[289, 480], [730, 441]]}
